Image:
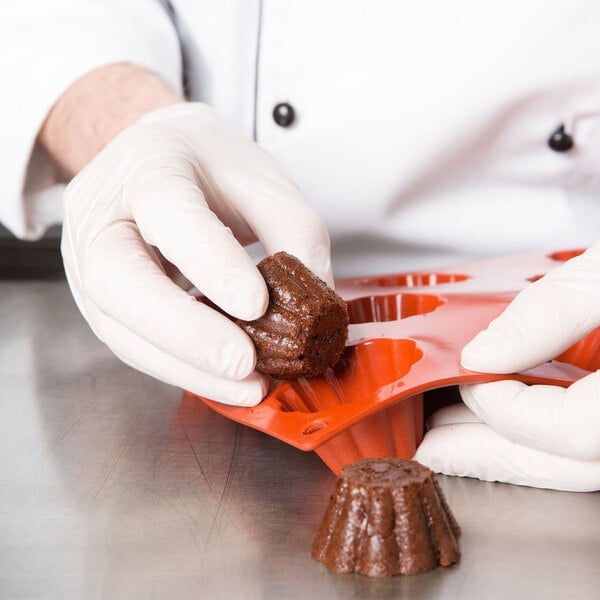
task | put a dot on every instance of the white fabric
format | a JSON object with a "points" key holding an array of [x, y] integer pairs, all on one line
{"points": [[44, 48], [421, 128], [182, 184], [539, 435]]}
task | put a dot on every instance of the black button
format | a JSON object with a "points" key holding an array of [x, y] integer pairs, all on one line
{"points": [[283, 114], [560, 140]]}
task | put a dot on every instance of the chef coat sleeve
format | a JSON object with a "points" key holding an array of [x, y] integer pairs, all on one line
{"points": [[45, 46]]}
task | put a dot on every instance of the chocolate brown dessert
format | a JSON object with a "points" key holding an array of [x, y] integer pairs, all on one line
{"points": [[305, 327], [388, 516]]}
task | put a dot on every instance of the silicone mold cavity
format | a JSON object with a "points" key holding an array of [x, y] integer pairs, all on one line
{"points": [[564, 255], [535, 278], [391, 307], [364, 371], [411, 279]]}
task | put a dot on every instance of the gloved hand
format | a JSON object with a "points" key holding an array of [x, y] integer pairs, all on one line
{"points": [[170, 202], [539, 435]]}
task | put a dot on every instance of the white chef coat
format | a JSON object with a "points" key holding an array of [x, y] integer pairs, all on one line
{"points": [[421, 128]]}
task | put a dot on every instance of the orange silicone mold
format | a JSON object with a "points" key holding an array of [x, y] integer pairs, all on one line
{"points": [[405, 337]]}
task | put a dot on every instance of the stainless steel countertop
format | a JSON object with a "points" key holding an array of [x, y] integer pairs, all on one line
{"points": [[112, 486]]}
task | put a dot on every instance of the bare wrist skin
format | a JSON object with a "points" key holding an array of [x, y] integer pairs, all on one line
{"points": [[96, 108]]}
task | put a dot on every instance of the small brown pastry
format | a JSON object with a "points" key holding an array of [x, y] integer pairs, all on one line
{"points": [[388, 516], [305, 328]]}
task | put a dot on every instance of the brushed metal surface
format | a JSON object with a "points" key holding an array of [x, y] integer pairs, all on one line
{"points": [[112, 486]]}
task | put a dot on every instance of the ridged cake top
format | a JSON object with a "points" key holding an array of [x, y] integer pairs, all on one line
{"points": [[387, 472]]}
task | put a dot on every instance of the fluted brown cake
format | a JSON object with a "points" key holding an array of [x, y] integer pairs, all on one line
{"points": [[305, 327], [387, 517]]}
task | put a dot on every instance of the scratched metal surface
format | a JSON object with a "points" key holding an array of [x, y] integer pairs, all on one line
{"points": [[112, 487]]}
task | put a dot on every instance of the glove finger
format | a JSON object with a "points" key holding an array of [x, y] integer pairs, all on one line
{"points": [[247, 186], [452, 414], [123, 280], [175, 275], [173, 215], [546, 417], [474, 450], [136, 352], [286, 222], [543, 320]]}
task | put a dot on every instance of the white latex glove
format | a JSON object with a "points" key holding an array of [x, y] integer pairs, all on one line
{"points": [[172, 200], [540, 435]]}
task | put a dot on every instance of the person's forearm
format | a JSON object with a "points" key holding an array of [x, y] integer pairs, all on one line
{"points": [[96, 108]]}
